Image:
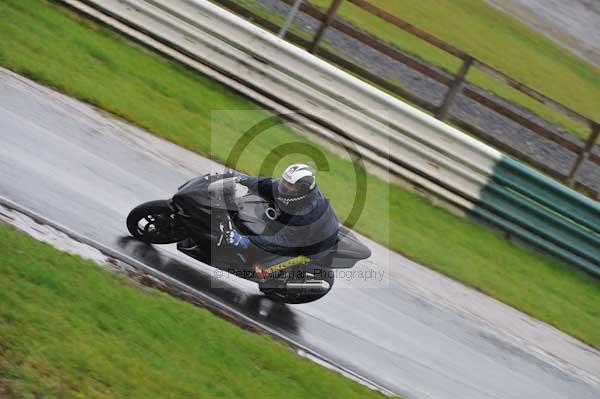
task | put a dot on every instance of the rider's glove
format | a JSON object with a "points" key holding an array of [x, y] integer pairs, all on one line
{"points": [[237, 240]]}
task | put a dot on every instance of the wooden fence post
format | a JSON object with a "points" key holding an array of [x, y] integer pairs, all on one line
{"points": [[454, 88], [584, 153], [335, 4]]}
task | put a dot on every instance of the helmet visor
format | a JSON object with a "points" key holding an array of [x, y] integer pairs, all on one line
{"points": [[287, 189]]}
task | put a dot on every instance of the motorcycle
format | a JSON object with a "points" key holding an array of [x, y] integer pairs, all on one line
{"points": [[205, 211]]}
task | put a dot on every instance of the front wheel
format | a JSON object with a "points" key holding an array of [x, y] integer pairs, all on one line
{"points": [[305, 274], [154, 222]]}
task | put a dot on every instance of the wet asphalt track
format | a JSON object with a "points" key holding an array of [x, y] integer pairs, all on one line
{"points": [[416, 333]]}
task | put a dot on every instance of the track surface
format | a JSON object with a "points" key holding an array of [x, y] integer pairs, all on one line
{"points": [[416, 332], [574, 24]]}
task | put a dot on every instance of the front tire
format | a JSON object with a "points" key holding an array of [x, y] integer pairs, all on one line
{"points": [[154, 222]]}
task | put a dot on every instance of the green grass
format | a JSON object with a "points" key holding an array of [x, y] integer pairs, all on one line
{"points": [[95, 64], [69, 329], [491, 36]]}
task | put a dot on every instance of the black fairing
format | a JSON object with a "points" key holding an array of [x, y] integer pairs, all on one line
{"points": [[349, 246], [195, 196], [193, 207]]}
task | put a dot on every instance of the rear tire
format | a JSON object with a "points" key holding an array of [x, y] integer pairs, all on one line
{"points": [[283, 295], [154, 222]]}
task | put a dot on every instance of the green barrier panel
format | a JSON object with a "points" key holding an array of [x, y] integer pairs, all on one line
{"points": [[549, 193], [544, 213], [537, 241]]}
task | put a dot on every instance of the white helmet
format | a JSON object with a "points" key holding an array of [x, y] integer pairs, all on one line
{"points": [[296, 183]]}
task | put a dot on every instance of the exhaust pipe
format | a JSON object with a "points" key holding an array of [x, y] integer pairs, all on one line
{"points": [[316, 286]]}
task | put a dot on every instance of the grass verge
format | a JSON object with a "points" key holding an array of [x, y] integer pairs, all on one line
{"points": [[92, 63], [69, 329]]}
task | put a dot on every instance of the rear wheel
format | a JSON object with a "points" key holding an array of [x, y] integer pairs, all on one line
{"points": [[154, 222], [303, 274]]}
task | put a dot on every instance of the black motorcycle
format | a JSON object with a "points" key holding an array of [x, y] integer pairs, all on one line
{"points": [[200, 218]]}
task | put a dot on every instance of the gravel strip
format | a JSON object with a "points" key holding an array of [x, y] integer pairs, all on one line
{"points": [[501, 128]]}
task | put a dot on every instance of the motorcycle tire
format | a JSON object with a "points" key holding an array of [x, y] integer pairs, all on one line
{"points": [[154, 222]]}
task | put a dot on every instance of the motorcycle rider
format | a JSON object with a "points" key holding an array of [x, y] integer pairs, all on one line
{"points": [[304, 222]]}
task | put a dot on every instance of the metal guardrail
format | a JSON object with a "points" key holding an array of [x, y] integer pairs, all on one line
{"points": [[394, 134]]}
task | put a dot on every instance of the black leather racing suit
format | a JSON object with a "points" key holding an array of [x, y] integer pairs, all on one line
{"points": [[303, 230]]}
